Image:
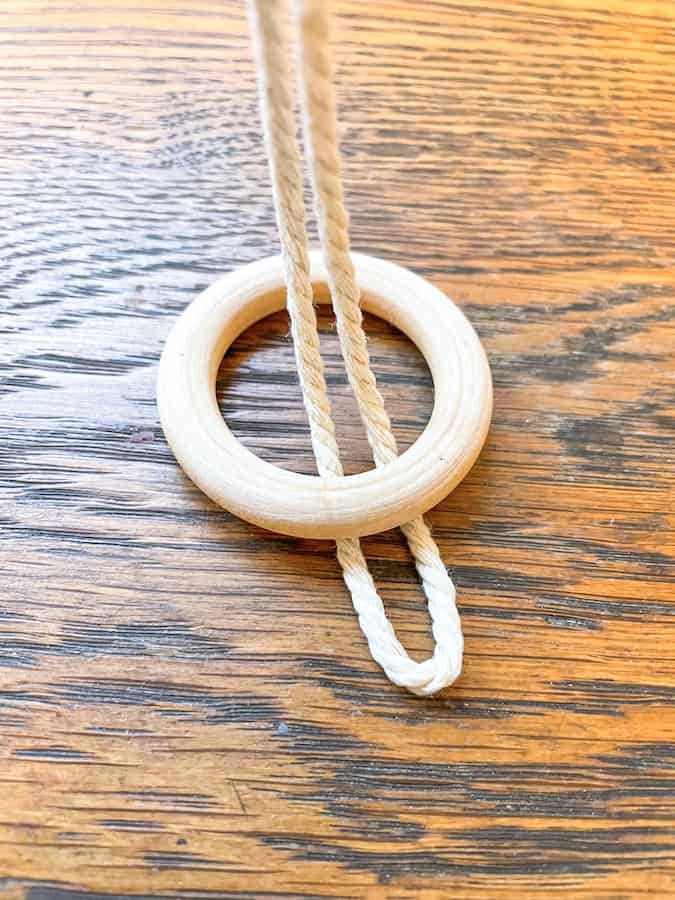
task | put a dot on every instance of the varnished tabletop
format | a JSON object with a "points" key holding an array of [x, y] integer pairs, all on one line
{"points": [[187, 706]]}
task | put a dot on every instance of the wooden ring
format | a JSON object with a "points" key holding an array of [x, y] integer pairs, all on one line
{"points": [[307, 505]]}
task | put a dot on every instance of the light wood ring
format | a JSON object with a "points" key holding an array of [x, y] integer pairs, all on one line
{"points": [[307, 505]]}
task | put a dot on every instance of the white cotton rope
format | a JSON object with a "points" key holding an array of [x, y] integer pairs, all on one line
{"points": [[273, 53]]}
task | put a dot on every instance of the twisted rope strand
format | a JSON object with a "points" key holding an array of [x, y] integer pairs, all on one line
{"points": [[321, 147], [321, 144], [276, 104], [320, 132]]}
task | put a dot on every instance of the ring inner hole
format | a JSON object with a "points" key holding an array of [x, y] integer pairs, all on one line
{"points": [[260, 399]]}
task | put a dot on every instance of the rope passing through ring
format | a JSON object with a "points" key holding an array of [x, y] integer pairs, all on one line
{"points": [[312, 506], [275, 78]]}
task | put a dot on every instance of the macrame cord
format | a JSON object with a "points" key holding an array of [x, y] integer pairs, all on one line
{"points": [[275, 77]]}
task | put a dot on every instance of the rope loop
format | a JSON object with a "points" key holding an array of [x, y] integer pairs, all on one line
{"points": [[319, 125]]}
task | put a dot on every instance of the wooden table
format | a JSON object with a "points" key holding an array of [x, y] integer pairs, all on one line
{"points": [[187, 706]]}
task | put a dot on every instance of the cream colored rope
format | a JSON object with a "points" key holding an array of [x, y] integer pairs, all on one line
{"points": [[273, 55]]}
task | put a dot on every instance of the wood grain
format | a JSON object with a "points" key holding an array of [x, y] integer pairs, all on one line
{"points": [[187, 707]]}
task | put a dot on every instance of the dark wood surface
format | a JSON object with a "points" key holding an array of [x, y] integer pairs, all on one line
{"points": [[187, 706]]}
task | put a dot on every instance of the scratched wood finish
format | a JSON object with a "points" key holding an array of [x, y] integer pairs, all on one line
{"points": [[187, 707]]}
